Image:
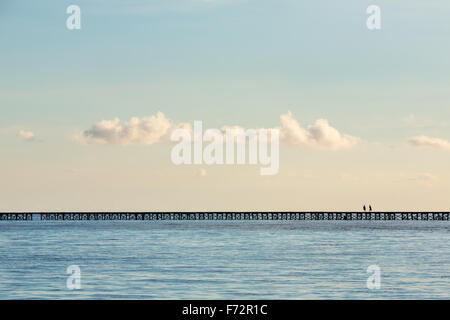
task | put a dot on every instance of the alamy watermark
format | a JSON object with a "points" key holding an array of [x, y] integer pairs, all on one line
{"points": [[373, 21], [231, 146], [73, 22], [74, 280], [374, 280]]}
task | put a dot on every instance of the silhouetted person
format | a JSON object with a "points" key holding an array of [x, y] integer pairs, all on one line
{"points": [[370, 208], [364, 207]]}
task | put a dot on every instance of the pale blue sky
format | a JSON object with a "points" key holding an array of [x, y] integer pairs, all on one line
{"points": [[225, 62]]}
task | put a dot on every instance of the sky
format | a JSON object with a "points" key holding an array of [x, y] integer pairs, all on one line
{"points": [[306, 67]]}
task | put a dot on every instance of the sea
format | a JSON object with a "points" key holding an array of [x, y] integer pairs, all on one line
{"points": [[224, 260]]}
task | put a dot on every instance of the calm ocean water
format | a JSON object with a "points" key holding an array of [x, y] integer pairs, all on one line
{"points": [[225, 260]]}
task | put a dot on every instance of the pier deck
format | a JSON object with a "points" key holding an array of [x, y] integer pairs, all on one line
{"points": [[348, 216]]}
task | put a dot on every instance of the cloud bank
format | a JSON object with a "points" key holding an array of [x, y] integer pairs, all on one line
{"points": [[145, 131], [157, 129], [424, 141], [320, 135]]}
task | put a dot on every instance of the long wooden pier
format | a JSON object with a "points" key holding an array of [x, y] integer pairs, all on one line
{"points": [[300, 216]]}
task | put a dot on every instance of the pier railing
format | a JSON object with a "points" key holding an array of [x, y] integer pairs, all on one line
{"points": [[300, 216]]}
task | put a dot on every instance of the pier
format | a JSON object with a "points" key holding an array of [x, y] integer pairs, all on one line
{"points": [[294, 216]]}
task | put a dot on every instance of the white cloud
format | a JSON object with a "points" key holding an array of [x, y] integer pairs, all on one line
{"points": [[424, 141], [147, 131], [320, 135], [157, 129], [26, 135]]}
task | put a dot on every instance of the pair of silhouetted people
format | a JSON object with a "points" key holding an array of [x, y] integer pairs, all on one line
{"points": [[370, 208]]}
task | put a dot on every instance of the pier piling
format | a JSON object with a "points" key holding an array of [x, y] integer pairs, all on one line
{"points": [[229, 216]]}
